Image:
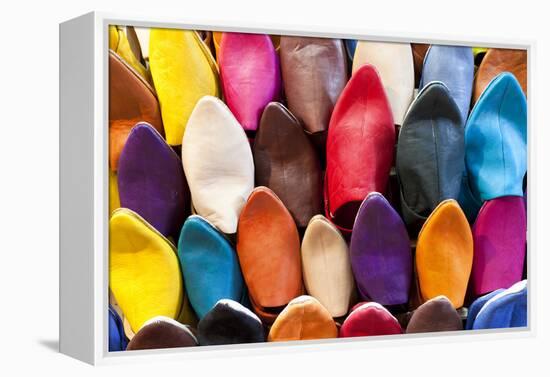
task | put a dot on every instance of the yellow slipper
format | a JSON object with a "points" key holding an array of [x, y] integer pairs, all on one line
{"points": [[183, 71], [144, 272], [119, 43]]}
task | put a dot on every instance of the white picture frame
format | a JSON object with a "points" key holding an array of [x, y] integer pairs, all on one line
{"points": [[84, 190]]}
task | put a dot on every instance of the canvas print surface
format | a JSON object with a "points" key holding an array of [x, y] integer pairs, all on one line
{"points": [[268, 188]]}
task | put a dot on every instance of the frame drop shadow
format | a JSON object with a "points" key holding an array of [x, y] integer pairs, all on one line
{"points": [[50, 344]]}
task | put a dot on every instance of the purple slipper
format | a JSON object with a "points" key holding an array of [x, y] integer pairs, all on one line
{"points": [[151, 181], [380, 253]]}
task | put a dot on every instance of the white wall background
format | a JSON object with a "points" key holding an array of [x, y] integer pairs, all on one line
{"points": [[29, 184]]}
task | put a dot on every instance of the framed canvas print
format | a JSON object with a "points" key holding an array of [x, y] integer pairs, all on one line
{"points": [[227, 189]]}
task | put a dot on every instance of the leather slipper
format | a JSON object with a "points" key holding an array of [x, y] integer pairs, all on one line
{"points": [[360, 146], [268, 247], [444, 254], [314, 73], [151, 180], [218, 163], [369, 319], [209, 264], [286, 162], [499, 233], [326, 266], [496, 140], [144, 272], [496, 61], [380, 253], [430, 154], [162, 332], [476, 306], [504, 310], [437, 314], [131, 100], [250, 75], [121, 42], [228, 322], [183, 71], [304, 318], [394, 63], [454, 67], [117, 339], [142, 34], [217, 39]]}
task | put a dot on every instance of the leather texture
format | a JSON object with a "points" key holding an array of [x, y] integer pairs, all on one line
{"points": [[500, 240], [151, 180], [144, 273], [209, 264], [229, 322], [314, 74], [419, 51], [369, 319], [117, 339], [142, 34], [119, 42], [183, 71], [163, 332], [131, 100], [218, 163], [504, 310], [497, 61], [250, 75], [268, 247], [326, 266], [217, 39], [437, 314], [444, 254], [380, 253], [304, 318], [496, 140], [454, 67], [476, 306], [394, 63], [113, 36], [286, 162], [360, 147], [430, 154]]}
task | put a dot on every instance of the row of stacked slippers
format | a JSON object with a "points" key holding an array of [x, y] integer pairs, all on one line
{"points": [[276, 188]]}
